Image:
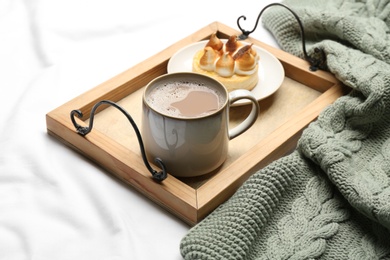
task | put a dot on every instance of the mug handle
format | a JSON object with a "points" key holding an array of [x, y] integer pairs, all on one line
{"points": [[239, 94]]}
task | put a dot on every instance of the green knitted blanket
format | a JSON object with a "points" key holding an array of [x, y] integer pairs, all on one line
{"points": [[330, 198]]}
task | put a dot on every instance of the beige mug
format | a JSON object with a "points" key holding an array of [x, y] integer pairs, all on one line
{"points": [[185, 122]]}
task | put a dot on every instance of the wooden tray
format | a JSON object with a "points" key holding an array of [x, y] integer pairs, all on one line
{"points": [[113, 145]]}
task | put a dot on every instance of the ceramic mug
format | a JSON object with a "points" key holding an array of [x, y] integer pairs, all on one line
{"points": [[183, 125]]}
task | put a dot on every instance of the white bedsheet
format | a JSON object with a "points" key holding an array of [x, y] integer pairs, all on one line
{"points": [[54, 203]]}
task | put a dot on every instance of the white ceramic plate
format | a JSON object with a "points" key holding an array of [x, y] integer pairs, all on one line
{"points": [[271, 72]]}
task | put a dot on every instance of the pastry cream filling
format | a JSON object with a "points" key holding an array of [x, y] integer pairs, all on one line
{"points": [[224, 72]]}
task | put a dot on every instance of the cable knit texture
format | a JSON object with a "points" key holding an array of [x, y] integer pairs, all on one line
{"points": [[330, 198]]}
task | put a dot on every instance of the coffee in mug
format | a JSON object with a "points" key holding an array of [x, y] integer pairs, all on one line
{"points": [[185, 99], [185, 122]]}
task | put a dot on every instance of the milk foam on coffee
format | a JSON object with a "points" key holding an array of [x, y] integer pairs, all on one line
{"points": [[185, 99]]}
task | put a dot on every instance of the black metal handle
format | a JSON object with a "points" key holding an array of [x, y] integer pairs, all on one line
{"points": [[157, 175], [315, 63]]}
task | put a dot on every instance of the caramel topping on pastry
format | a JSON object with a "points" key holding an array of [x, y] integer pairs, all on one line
{"points": [[242, 51], [232, 44], [214, 42], [208, 59], [225, 65], [245, 61]]}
